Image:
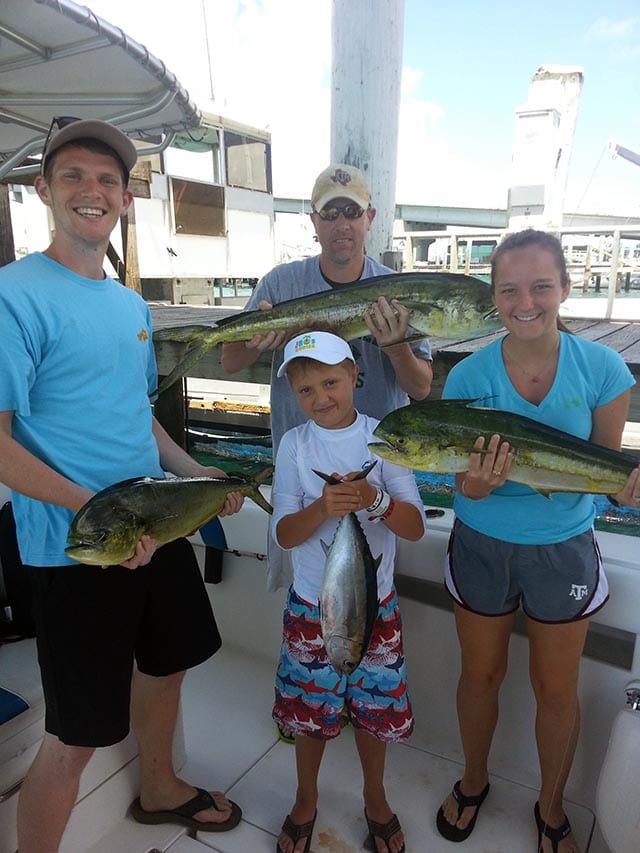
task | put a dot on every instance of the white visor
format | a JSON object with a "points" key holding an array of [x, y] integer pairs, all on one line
{"points": [[321, 346]]}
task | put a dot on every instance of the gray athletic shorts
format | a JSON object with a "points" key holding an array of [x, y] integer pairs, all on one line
{"points": [[562, 582]]}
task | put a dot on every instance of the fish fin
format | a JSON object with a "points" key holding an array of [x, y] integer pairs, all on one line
{"points": [[544, 492], [359, 476], [325, 547], [258, 498], [326, 477], [180, 334], [191, 357], [377, 562], [263, 474], [411, 339], [366, 470]]}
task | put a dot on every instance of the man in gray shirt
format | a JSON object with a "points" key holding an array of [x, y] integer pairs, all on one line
{"points": [[342, 215]]}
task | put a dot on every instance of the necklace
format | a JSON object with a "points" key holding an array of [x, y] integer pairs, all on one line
{"points": [[537, 376]]}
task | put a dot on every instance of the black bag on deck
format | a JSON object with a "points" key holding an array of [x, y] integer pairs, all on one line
{"points": [[16, 621]]}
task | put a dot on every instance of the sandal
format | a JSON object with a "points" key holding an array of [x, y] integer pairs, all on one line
{"points": [[284, 734], [296, 831], [385, 831], [449, 830], [184, 814], [554, 834]]}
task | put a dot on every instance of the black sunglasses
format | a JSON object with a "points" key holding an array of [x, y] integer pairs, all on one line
{"points": [[57, 122], [349, 211]]}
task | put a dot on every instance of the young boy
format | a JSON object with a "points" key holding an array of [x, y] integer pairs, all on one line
{"points": [[322, 374]]}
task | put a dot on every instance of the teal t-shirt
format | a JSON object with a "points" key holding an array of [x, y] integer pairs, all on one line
{"points": [[76, 367], [589, 375]]}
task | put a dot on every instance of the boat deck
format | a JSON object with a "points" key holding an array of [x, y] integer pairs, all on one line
{"points": [[240, 752]]}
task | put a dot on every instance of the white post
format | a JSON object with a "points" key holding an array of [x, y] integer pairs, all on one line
{"points": [[366, 75]]}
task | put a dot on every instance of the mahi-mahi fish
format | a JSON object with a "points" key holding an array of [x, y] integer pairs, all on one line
{"points": [[105, 530], [349, 592], [441, 305], [438, 436]]}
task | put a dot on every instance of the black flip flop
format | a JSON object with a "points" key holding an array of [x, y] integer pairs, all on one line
{"points": [[385, 831], [296, 831], [184, 814], [449, 830], [554, 834]]}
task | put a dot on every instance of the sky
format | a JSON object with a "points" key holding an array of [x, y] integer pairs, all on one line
{"points": [[467, 66]]}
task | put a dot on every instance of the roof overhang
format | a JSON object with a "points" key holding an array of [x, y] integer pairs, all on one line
{"points": [[58, 58]]}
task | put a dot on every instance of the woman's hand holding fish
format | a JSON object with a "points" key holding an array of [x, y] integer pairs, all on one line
{"points": [[487, 470], [387, 322], [629, 495]]}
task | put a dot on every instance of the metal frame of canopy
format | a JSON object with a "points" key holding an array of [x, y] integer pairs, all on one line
{"points": [[60, 58]]}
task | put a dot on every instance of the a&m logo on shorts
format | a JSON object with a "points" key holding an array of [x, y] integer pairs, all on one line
{"points": [[578, 591]]}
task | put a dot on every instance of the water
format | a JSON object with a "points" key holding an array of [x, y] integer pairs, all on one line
{"points": [[248, 454]]}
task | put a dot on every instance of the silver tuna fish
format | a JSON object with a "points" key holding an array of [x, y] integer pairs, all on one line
{"points": [[349, 592]]}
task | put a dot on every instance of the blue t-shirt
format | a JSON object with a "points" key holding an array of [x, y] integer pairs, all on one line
{"points": [[589, 375], [76, 367]]}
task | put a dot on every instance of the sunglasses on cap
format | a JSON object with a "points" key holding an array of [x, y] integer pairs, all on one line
{"points": [[332, 212], [57, 122]]}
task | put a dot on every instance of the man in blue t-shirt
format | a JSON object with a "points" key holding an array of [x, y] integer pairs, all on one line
{"points": [[76, 368]]}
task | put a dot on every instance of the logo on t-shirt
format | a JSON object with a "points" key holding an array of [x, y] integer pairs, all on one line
{"points": [[142, 335]]}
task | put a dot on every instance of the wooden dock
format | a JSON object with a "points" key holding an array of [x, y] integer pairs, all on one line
{"points": [[622, 336]]}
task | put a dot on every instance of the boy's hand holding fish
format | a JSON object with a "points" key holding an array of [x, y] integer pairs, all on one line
{"points": [[351, 494]]}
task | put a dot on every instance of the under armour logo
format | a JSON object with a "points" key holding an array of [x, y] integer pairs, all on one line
{"points": [[578, 591]]}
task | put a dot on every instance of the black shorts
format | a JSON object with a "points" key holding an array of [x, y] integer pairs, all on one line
{"points": [[92, 622]]}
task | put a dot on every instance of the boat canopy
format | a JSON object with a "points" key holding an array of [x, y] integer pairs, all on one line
{"points": [[58, 58]]}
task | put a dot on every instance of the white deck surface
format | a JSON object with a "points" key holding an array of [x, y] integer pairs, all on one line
{"points": [[231, 743]]}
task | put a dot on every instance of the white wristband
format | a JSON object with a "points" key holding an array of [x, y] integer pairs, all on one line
{"points": [[379, 507], [376, 501]]}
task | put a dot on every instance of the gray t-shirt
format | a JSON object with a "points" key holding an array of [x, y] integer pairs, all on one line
{"points": [[377, 391]]}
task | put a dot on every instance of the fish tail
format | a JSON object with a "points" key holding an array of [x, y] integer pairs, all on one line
{"points": [[258, 498], [261, 476], [190, 358]]}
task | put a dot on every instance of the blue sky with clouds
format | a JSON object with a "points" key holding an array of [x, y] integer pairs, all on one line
{"points": [[467, 66]]}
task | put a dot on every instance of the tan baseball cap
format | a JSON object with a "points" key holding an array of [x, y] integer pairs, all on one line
{"points": [[93, 129], [339, 180]]}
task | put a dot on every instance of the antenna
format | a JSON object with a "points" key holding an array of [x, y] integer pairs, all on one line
{"points": [[625, 153]]}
